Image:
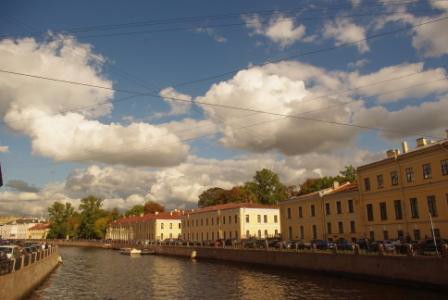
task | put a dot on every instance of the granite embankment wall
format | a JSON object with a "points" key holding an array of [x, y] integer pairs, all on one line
{"points": [[420, 271], [19, 284]]}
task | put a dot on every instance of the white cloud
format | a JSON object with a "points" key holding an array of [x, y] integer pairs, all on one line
{"points": [[4, 149], [284, 88], [176, 107], [415, 86], [38, 108], [175, 187], [212, 33], [358, 64], [280, 29], [356, 3], [344, 31]]}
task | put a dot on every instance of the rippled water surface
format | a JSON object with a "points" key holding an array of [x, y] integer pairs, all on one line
{"points": [[105, 274]]}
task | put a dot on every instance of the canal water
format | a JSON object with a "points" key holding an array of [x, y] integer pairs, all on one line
{"points": [[106, 274]]}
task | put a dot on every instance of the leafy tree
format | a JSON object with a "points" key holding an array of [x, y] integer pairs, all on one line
{"points": [[240, 194], [59, 213], [135, 210], [212, 196], [316, 184], [152, 207], [100, 225], [90, 212], [348, 174], [267, 187], [73, 224]]}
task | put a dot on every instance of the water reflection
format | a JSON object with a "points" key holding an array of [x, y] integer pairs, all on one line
{"points": [[105, 274]]}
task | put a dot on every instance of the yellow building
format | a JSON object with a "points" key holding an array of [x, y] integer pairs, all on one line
{"points": [[157, 227], [341, 214], [400, 194], [302, 217], [231, 221], [39, 231]]}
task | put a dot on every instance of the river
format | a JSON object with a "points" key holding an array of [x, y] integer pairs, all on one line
{"points": [[106, 274]]}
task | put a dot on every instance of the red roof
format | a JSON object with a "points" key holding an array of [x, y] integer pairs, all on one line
{"points": [[348, 187], [160, 216], [40, 226], [232, 206]]}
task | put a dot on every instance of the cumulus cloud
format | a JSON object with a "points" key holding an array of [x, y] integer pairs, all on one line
{"points": [[358, 64], [421, 82], [283, 88], [40, 109], [175, 187], [212, 33], [22, 186], [176, 107], [4, 149], [344, 31], [280, 29]]}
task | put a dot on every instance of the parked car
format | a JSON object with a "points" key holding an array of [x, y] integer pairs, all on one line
{"points": [[12, 251], [389, 246], [428, 245], [321, 244], [344, 245]]}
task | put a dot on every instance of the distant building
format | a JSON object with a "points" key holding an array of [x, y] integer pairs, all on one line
{"points": [[39, 231], [158, 226], [400, 194], [231, 221], [18, 229]]}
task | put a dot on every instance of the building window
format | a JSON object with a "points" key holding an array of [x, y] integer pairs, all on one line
{"points": [[313, 210], [409, 174], [400, 235], [369, 212], [275, 219], [437, 233], [265, 233], [352, 227], [230, 234], [276, 232], [236, 234], [383, 211], [289, 212], [258, 218], [350, 206], [225, 237], [247, 218], [372, 235], [247, 234], [259, 233], [398, 210], [432, 206], [339, 207], [161, 236], [417, 234], [236, 219], [223, 220], [300, 212], [180, 225], [427, 171], [302, 232], [290, 233], [211, 220], [329, 227], [444, 166], [341, 227], [206, 221], [161, 225], [414, 208], [314, 232], [327, 208], [265, 218], [230, 219], [171, 225], [394, 177], [385, 235], [380, 181], [367, 184]]}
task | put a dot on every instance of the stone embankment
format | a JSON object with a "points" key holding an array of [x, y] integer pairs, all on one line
{"points": [[421, 271], [28, 272]]}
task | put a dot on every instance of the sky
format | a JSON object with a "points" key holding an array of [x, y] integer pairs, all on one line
{"points": [[161, 100]]}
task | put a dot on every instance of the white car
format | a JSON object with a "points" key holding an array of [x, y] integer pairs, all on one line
{"points": [[11, 251]]}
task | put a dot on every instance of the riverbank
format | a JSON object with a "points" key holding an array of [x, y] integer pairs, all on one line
{"points": [[22, 281], [419, 271]]}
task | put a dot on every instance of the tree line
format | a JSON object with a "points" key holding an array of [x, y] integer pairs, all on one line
{"points": [[266, 188]]}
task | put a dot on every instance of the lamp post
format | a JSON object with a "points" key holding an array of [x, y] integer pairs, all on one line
{"points": [[433, 235]]}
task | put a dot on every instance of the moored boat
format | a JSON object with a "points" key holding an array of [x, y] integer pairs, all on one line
{"points": [[130, 251]]}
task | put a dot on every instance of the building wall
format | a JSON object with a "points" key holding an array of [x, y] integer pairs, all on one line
{"points": [[390, 225], [151, 229], [230, 224]]}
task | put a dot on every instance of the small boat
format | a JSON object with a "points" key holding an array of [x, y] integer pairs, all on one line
{"points": [[130, 251], [147, 252]]}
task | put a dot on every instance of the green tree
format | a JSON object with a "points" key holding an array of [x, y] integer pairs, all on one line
{"points": [[135, 210], [152, 207], [58, 214], [316, 184], [212, 196], [100, 226], [90, 212], [348, 174], [240, 194], [267, 187]]}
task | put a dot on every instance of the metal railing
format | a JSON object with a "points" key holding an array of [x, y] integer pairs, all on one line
{"points": [[15, 264]]}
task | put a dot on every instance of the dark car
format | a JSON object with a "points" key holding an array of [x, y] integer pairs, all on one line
{"points": [[428, 245], [321, 244], [344, 245]]}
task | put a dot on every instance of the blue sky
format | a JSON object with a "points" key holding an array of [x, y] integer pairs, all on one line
{"points": [[183, 51]]}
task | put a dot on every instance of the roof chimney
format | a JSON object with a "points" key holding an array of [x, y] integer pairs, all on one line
{"points": [[404, 147], [421, 142], [390, 153]]}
